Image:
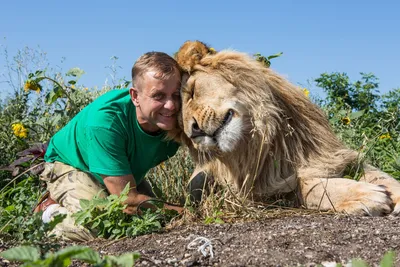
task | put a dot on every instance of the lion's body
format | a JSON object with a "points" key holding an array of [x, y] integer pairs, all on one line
{"points": [[248, 127]]}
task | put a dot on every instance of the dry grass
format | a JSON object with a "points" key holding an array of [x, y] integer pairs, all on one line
{"points": [[170, 181]]}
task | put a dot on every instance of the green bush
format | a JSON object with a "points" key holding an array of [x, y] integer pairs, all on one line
{"points": [[363, 119]]}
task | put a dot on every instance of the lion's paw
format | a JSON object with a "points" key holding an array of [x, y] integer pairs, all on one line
{"points": [[394, 192], [366, 199]]}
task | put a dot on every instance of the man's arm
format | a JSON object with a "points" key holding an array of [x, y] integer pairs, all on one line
{"points": [[115, 185]]}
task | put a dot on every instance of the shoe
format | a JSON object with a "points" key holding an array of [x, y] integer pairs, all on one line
{"points": [[52, 211], [44, 202]]}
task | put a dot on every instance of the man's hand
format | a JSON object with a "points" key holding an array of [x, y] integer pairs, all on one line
{"points": [[176, 208]]}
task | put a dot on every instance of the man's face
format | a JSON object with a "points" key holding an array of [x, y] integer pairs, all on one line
{"points": [[157, 102]]}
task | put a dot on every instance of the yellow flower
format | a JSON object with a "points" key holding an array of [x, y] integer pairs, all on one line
{"points": [[385, 136], [19, 130], [86, 89], [57, 127], [32, 85], [306, 92], [346, 120], [73, 86], [212, 50]]}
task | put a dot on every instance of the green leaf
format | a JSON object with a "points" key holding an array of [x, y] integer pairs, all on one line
{"points": [[39, 73], [208, 220], [124, 260], [56, 220], [70, 252], [388, 259], [81, 216], [84, 203], [10, 208], [356, 115], [107, 223], [60, 262], [55, 94], [219, 221], [116, 231], [275, 55], [22, 253], [126, 190], [96, 224], [126, 83], [75, 72], [358, 263], [89, 256], [72, 82], [99, 202], [56, 119]]}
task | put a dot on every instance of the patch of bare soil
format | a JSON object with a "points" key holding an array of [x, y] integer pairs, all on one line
{"points": [[305, 240], [300, 240]]}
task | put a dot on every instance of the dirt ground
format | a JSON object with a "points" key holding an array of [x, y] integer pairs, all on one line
{"points": [[295, 240], [301, 240]]}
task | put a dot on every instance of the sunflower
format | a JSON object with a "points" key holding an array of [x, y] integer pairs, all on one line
{"points": [[19, 130], [346, 120], [306, 92], [32, 85], [212, 50], [385, 136]]}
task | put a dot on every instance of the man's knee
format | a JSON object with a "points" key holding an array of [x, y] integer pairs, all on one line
{"points": [[68, 185]]}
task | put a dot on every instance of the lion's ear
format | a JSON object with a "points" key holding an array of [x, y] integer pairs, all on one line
{"points": [[190, 54]]}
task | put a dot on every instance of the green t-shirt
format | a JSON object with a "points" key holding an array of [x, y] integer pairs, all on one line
{"points": [[105, 139]]}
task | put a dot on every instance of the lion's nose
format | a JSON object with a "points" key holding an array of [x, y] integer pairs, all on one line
{"points": [[196, 131]]}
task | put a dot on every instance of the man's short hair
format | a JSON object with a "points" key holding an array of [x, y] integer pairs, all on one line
{"points": [[161, 63]]}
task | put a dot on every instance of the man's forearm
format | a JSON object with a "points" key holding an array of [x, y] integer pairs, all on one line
{"points": [[116, 184]]}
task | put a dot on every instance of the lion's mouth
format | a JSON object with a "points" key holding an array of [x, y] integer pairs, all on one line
{"points": [[211, 141], [227, 119], [197, 132]]}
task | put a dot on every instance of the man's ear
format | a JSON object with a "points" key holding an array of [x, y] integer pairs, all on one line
{"points": [[134, 96]]}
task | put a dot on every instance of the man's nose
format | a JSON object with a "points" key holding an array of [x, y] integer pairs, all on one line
{"points": [[170, 105]]}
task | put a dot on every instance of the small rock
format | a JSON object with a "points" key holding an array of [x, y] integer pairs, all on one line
{"points": [[171, 260]]}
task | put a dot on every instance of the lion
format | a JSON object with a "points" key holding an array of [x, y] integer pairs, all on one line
{"points": [[248, 127]]}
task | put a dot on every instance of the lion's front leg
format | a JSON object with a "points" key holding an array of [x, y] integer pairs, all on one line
{"points": [[375, 176], [199, 184], [344, 195]]}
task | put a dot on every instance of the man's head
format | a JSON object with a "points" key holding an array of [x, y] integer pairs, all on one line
{"points": [[156, 80]]}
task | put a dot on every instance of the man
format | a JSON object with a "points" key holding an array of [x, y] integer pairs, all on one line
{"points": [[114, 141]]}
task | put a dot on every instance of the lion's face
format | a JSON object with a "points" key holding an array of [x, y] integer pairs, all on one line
{"points": [[213, 116]]}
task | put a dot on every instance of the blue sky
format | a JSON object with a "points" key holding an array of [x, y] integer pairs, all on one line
{"points": [[315, 36]]}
